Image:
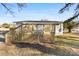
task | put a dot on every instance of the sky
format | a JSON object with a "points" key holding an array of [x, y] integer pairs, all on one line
{"points": [[34, 11]]}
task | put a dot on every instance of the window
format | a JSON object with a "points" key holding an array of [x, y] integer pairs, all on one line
{"points": [[39, 27]]}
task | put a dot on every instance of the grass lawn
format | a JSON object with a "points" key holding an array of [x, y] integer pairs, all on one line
{"points": [[65, 45], [68, 39]]}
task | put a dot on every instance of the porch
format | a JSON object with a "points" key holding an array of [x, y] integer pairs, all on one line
{"points": [[32, 31]]}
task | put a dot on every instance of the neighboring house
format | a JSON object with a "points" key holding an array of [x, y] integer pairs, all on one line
{"points": [[76, 28], [55, 27]]}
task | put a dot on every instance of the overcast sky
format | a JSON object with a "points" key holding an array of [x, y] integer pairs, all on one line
{"points": [[35, 11]]}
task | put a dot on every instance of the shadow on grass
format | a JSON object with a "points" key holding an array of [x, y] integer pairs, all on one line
{"points": [[48, 50]]}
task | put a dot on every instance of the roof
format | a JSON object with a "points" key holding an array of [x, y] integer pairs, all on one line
{"points": [[38, 22]]}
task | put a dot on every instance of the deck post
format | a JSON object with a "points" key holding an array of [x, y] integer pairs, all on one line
{"points": [[43, 32], [53, 32], [8, 39], [9, 36], [21, 31], [37, 32]]}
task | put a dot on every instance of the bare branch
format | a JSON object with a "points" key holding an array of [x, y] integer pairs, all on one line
{"points": [[71, 18], [65, 7], [11, 12], [20, 5], [77, 7]]}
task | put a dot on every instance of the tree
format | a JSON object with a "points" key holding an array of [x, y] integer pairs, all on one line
{"points": [[5, 25], [67, 6], [20, 5], [69, 25]]}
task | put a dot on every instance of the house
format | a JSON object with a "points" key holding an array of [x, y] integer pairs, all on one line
{"points": [[43, 31], [46, 28], [55, 27], [76, 28]]}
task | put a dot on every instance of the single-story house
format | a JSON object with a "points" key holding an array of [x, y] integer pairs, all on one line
{"points": [[76, 28], [55, 27], [46, 27]]}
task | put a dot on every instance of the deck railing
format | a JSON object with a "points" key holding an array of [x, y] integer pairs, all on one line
{"points": [[21, 34]]}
